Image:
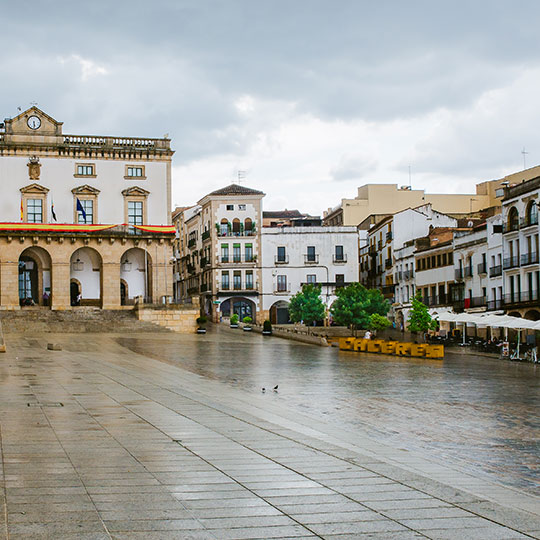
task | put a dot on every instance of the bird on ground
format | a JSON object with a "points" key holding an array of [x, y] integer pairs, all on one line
{"points": [[263, 390], [276, 387]]}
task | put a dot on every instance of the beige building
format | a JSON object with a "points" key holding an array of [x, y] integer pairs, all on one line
{"points": [[218, 246], [84, 219], [386, 199]]}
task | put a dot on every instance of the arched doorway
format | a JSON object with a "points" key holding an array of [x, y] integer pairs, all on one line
{"points": [[243, 307], [533, 315], [279, 313], [35, 277], [85, 272], [135, 274]]}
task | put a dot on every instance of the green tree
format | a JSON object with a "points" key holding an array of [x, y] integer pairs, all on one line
{"points": [[355, 304], [378, 322], [419, 318], [306, 305]]}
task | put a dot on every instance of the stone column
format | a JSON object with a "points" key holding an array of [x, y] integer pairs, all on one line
{"points": [[60, 285], [9, 285], [110, 285]]}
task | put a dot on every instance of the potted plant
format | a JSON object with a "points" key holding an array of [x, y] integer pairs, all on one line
{"points": [[267, 328], [201, 321], [247, 324], [234, 320]]}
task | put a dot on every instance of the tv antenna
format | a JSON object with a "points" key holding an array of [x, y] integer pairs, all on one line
{"points": [[241, 176], [524, 158], [410, 184]]}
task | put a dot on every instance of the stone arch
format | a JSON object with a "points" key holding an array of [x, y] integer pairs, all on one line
{"points": [[532, 213], [515, 314], [86, 267], [75, 289], [35, 283], [279, 312], [513, 218], [136, 272], [532, 315], [124, 292]]}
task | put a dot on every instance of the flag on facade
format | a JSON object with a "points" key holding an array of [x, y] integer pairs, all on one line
{"points": [[52, 211], [22, 211], [81, 209]]}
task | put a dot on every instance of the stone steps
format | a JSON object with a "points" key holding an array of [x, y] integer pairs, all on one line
{"points": [[80, 320]]}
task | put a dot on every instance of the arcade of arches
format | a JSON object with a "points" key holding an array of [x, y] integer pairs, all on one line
{"points": [[63, 272]]}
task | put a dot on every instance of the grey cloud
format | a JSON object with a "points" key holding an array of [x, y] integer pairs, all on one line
{"points": [[353, 168]]}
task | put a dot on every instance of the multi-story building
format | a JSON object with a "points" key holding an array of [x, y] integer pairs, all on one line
{"points": [[434, 267], [494, 243], [471, 269], [387, 199], [294, 256], [219, 247], [85, 218], [521, 270]]}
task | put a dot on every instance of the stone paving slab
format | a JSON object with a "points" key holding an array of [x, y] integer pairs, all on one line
{"points": [[118, 445]]}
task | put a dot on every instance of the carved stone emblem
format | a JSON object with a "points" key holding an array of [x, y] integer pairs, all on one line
{"points": [[34, 168]]}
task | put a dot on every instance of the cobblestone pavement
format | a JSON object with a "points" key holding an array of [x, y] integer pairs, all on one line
{"points": [[101, 440]]}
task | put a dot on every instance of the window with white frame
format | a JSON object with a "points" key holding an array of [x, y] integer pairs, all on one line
{"points": [[88, 206], [34, 210]]}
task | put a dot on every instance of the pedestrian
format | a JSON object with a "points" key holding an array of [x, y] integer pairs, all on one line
{"points": [[78, 300], [367, 335]]}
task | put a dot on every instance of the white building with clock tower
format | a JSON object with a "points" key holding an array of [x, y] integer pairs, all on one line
{"points": [[84, 219]]}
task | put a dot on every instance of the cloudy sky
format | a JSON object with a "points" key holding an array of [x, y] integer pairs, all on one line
{"points": [[311, 98]]}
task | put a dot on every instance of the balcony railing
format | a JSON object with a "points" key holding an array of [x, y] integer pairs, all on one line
{"points": [[510, 262], [336, 284], [238, 259], [205, 235], [236, 233], [521, 297], [459, 274], [191, 268], [468, 271], [379, 245], [311, 259], [494, 305], [193, 290], [237, 286], [339, 259], [204, 287], [529, 221], [437, 300], [204, 261], [282, 289], [529, 258], [191, 242], [399, 276], [388, 263], [389, 236], [510, 227], [482, 268], [495, 271], [281, 259], [408, 274]]}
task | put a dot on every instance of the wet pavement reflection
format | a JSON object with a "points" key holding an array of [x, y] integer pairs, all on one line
{"points": [[478, 412]]}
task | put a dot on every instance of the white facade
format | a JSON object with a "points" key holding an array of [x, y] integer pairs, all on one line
{"points": [[521, 268], [293, 256], [494, 242], [58, 175]]}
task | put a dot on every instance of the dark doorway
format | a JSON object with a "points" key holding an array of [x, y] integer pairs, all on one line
{"points": [[74, 292]]}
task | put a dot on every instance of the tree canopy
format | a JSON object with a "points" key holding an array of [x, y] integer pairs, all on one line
{"points": [[306, 305], [419, 318], [355, 304], [378, 322]]}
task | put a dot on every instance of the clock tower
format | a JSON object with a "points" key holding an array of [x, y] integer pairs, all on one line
{"points": [[33, 126]]}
